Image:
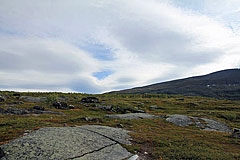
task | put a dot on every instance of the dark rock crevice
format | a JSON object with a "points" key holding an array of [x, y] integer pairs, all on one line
{"points": [[97, 150]]}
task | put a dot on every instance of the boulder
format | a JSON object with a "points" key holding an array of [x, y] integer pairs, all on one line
{"points": [[33, 99], [236, 133], [16, 111], [179, 120], [2, 99], [18, 102], [132, 116], [202, 123], [105, 107], [16, 95], [39, 108], [90, 100], [155, 107], [78, 143], [212, 125], [60, 105], [2, 154], [71, 107]]}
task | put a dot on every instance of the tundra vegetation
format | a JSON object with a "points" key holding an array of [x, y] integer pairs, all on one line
{"points": [[153, 138]]}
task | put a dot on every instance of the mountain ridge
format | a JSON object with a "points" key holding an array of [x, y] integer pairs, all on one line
{"points": [[224, 84]]}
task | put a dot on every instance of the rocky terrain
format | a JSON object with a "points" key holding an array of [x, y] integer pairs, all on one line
{"points": [[121, 127]]}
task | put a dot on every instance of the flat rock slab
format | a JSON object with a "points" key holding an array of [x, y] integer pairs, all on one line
{"points": [[179, 120], [33, 99], [132, 116], [61, 143], [203, 123]]}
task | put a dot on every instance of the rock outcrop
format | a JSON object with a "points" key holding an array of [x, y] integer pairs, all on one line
{"points": [[90, 100], [78, 143], [33, 99], [202, 123], [132, 116], [16, 111]]}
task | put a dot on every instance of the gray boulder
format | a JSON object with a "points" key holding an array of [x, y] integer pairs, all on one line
{"points": [[90, 100], [132, 116], [16, 111], [78, 143], [212, 125], [179, 120], [33, 99], [39, 108], [208, 124]]}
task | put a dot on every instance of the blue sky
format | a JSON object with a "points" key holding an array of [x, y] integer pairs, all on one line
{"points": [[97, 46]]}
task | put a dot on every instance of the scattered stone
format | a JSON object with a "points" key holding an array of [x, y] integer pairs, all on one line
{"points": [[33, 99], [120, 126], [18, 102], [132, 116], [134, 157], [208, 124], [60, 105], [39, 108], [90, 100], [16, 95], [71, 106], [2, 154], [236, 133], [138, 111], [16, 111], [179, 120], [180, 99], [155, 107], [79, 143], [2, 99], [215, 126], [91, 119], [104, 107]]}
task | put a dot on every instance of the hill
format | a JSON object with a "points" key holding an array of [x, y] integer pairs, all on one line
{"points": [[223, 84]]}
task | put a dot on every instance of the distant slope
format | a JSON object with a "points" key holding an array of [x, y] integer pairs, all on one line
{"points": [[221, 84]]}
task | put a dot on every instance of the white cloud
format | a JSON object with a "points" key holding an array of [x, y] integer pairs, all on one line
{"points": [[44, 44]]}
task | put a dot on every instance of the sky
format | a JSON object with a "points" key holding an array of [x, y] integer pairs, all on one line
{"points": [[98, 46]]}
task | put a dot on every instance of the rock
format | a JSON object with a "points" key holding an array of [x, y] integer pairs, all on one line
{"points": [[33, 99], [60, 105], [104, 107], [78, 143], [180, 99], [90, 100], [134, 157], [208, 125], [2, 154], [71, 107], [139, 111], [236, 133], [132, 116], [16, 95], [91, 119], [212, 125], [18, 102], [2, 99], [155, 107], [39, 108], [179, 120], [16, 111]]}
